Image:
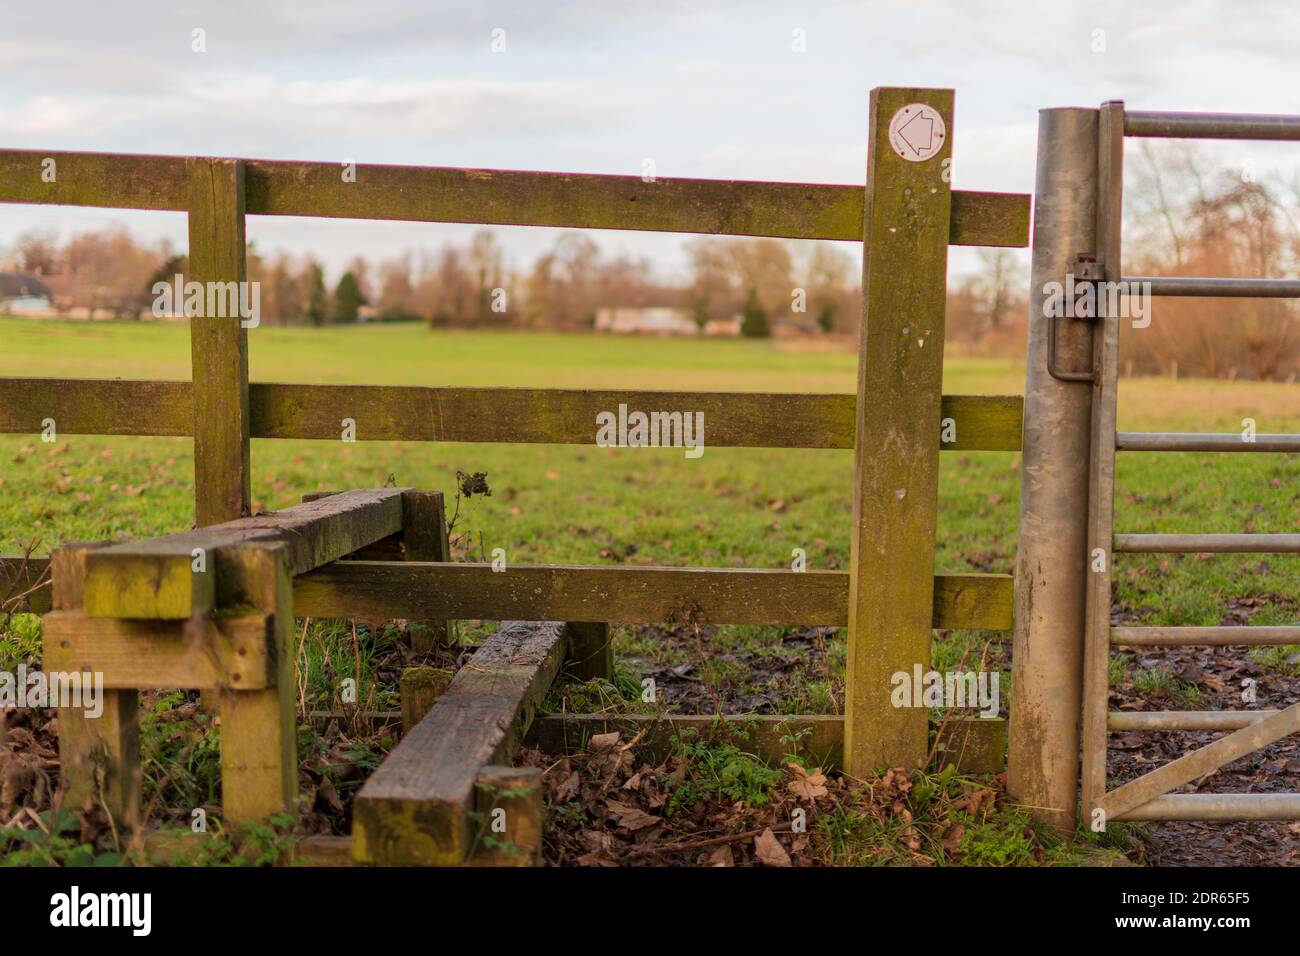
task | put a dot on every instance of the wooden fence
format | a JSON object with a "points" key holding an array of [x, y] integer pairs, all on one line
{"points": [[136, 611]]}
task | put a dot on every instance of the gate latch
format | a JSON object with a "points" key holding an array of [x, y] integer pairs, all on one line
{"points": [[1085, 272]]}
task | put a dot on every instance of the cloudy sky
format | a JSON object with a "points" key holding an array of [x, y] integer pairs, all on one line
{"points": [[706, 89]]}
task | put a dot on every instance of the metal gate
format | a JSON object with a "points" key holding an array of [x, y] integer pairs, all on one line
{"points": [[1149, 797]]}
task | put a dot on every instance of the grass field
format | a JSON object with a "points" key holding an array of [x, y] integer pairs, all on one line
{"points": [[580, 504]]}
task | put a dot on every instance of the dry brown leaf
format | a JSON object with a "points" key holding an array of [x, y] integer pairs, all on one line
{"points": [[602, 742], [633, 818], [809, 787], [769, 851], [721, 856]]}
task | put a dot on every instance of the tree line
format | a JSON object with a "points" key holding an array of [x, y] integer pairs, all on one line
{"points": [[1184, 218]]}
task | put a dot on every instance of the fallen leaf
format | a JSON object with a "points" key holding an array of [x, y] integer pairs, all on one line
{"points": [[769, 851], [721, 856], [633, 818], [809, 787]]}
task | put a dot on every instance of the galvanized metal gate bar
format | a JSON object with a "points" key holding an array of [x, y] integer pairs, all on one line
{"points": [[1147, 796]]}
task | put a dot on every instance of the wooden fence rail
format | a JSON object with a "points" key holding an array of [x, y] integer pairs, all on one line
{"points": [[496, 197], [526, 415]]}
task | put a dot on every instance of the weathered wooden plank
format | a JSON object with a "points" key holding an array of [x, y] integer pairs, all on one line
{"points": [[623, 595], [499, 197], [113, 180], [568, 416], [154, 586], [420, 689], [906, 220], [156, 578], [218, 343], [525, 415], [99, 756], [976, 745], [230, 652], [415, 809], [259, 739], [1199, 762], [82, 406]]}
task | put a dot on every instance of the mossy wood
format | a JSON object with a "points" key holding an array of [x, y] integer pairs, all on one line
{"points": [[498, 197], [420, 688], [507, 817], [416, 808], [158, 578], [528, 415], [634, 595], [424, 538], [259, 742], [99, 757], [218, 343], [227, 653], [906, 219]]}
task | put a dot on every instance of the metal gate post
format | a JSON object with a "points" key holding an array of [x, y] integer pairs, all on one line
{"points": [[1047, 658]]}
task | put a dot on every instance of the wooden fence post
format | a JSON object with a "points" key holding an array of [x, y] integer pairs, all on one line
{"points": [[424, 538], [109, 742], [900, 374], [259, 745], [218, 348], [219, 344]]}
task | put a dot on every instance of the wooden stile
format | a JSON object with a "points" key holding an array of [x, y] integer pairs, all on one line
{"points": [[214, 608], [905, 233], [158, 578]]}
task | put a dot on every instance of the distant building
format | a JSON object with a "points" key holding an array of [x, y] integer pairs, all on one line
{"points": [[651, 320], [23, 293], [725, 327]]}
